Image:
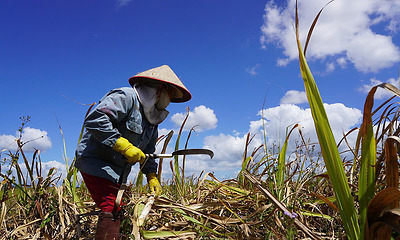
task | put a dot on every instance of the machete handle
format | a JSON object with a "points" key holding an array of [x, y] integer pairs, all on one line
{"points": [[154, 155]]}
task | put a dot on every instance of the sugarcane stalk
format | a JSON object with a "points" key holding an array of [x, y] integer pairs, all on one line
{"points": [[146, 210]]}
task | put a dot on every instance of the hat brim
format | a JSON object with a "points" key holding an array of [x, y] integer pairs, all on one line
{"points": [[184, 96]]}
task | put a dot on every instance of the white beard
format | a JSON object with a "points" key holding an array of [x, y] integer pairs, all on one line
{"points": [[148, 99]]}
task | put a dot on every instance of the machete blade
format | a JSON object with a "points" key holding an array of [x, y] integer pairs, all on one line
{"points": [[194, 151]]}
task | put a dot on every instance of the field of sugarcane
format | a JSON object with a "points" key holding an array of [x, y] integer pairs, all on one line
{"points": [[276, 195]]}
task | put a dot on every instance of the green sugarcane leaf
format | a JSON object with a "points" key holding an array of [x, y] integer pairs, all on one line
{"points": [[280, 174], [366, 181], [313, 214], [139, 180], [176, 171], [329, 150]]}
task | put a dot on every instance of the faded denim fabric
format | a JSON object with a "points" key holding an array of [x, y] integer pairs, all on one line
{"points": [[118, 114]]}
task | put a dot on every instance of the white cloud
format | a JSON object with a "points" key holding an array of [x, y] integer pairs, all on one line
{"points": [[225, 146], [281, 62], [344, 31], [342, 61], [8, 142], [255, 126], [31, 137], [253, 70], [202, 117], [278, 119], [380, 92], [294, 97], [330, 67], [381, 51], [229, 148], [60, 167]]}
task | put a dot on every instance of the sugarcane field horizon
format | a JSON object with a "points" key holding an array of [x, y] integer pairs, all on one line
{"points": [[283, 122]]}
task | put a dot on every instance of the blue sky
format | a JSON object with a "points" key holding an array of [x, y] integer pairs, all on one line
{"points": [[57, 55]]}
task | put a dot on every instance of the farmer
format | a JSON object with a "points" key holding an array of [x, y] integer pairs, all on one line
{"points": [[118, 133]]}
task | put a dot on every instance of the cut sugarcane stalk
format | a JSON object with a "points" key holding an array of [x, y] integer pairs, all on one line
{"points": [[146, 211]]}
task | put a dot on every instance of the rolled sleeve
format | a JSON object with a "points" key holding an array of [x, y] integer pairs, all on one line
{"points": [[111, 110]]}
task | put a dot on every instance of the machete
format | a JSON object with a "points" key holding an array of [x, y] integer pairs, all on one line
{"points": [[182, 152]]}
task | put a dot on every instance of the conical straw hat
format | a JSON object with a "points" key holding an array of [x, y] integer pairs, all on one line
{"points": [[163, 74]]}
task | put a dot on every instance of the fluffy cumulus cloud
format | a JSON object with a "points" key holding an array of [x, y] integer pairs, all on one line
{"points": [[32, 139], [273, 124], [380, 92], [344, 31], [278, 119], [202, 117], [60, 168], [294, 97], [228, 150], [226, 147], [8, 142]]}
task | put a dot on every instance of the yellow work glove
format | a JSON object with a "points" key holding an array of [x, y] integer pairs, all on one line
{"points": [[132, 153], [154, 184]]}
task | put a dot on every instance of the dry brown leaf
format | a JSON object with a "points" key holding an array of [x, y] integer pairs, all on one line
{"points": [[325, 200], [392, 165], [380, 203]]}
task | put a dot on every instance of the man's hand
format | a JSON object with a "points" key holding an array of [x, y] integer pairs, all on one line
{"points": [[132, 153], [154, 184]]}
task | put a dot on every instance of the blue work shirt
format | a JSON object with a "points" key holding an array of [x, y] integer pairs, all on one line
{"points": [[118, 114]]}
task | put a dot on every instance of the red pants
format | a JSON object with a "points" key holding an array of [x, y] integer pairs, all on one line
{"points": [[103, 191]]}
